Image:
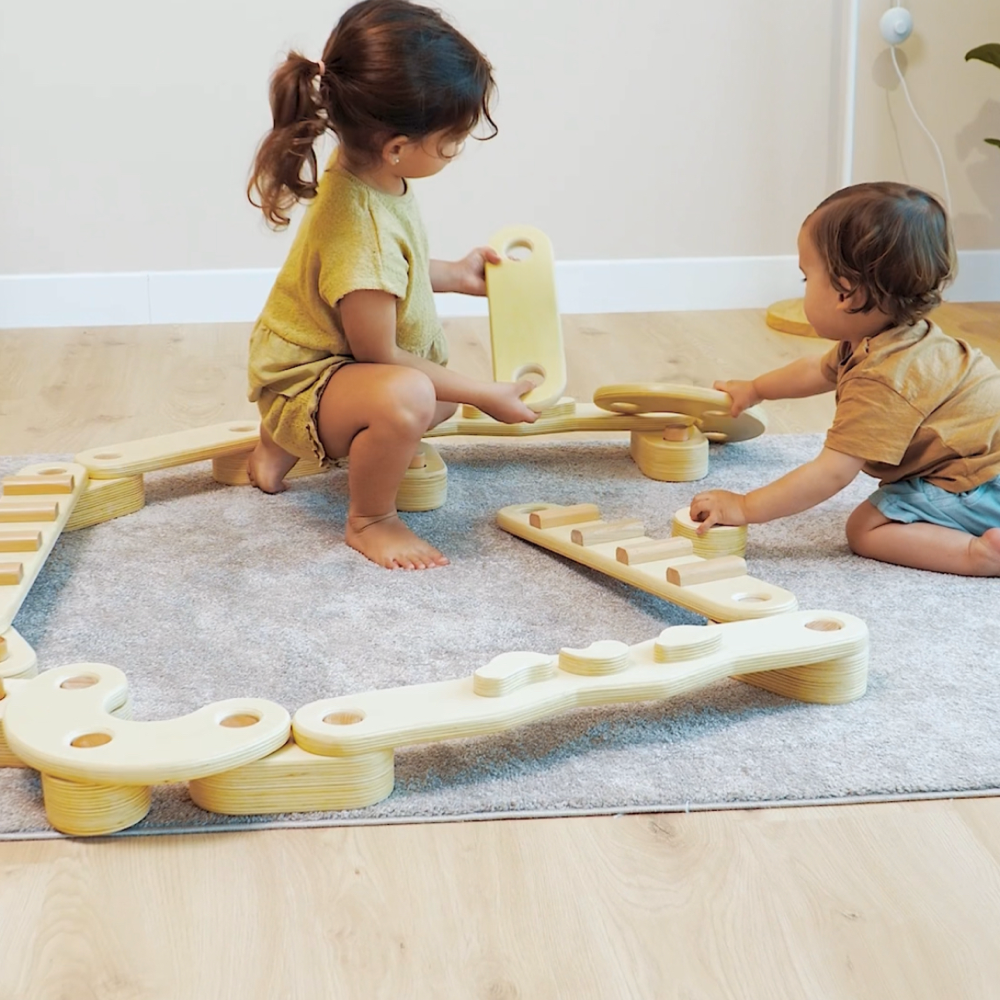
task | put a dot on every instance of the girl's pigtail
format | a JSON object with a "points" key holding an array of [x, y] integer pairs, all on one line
{"points": [[285, 170]]}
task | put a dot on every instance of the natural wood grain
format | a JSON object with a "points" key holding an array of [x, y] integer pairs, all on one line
{"points": [[873, 902]]}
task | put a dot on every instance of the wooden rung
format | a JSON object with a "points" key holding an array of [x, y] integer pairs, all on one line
{"points": [[418, 461], [11, 574], [20, 541], [707, 570], [32, 485], [3, 656], [28, 510], [554, 517], [610, 531], [658, 548]]}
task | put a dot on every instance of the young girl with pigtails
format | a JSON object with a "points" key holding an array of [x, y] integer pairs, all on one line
{"points": [[348, 355]]}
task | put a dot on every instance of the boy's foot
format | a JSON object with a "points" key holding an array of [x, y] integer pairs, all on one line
{"points": [[985, 552], [387, 541], [268, 465]]}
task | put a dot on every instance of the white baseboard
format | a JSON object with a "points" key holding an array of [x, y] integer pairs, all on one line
{"points": [[591, 286]]}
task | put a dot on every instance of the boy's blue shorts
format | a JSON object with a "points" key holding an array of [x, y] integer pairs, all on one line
{"points": [[975, 511]]}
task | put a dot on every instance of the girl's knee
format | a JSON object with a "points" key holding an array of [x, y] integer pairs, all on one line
{"points": [[411, 400]]}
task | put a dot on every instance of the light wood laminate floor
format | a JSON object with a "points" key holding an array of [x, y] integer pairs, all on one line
{"points": [[886, 901]]}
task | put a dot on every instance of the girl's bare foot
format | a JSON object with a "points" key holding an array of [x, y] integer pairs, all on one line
{"points": [[268, 464], [985, 552], [387, 541]]}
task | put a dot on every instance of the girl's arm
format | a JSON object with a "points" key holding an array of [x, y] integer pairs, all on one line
{"points": [[369, 319], [804, 377], [467, 275], [801, 489]]}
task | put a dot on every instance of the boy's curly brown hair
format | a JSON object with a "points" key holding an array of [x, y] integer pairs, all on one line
{"points": [[889, 243]]}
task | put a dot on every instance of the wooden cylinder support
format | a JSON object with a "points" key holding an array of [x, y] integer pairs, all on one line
{"points": [[720, 540]]}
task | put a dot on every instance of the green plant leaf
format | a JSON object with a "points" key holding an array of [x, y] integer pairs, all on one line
{"points": [[993, 142], [989, 53]]}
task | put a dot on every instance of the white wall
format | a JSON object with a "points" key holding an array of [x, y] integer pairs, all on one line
{"points": [[637, 129]]}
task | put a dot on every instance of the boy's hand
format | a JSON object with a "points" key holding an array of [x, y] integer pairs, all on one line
{"points": [[502, 401], [718, 507], [743, 394], [469, 273]]}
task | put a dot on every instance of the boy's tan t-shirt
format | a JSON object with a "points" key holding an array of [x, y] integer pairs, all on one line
{"points": [[914, 402], [353, 237]]}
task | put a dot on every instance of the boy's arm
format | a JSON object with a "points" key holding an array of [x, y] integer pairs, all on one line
{"points": [[801, 489], [369, 319], [804, 377]]}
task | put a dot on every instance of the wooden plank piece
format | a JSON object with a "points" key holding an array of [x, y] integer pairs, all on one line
{"points": [[555, 517], [11, 574], [525, 328], [607, 531], [691, 573], [636, 553]]}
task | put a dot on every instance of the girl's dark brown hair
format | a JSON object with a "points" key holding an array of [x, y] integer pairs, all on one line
{"points": [[391, 68], [888, 243]]}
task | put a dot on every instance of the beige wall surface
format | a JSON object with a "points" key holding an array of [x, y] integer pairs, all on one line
{"points": [[637, 129]]}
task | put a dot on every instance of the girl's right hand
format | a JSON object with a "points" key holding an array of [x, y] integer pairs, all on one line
{"points": [[502, 401], [743, 394]]}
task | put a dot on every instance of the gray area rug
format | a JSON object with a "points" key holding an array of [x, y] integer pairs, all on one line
{"points": [[213, 592]]}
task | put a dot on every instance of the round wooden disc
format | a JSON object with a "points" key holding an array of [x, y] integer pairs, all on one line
{"points": [[789, 316]]}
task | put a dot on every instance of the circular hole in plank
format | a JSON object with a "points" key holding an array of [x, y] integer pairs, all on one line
{"points": [[751, 598], [348, 718], [518, 250], [240, 720], [90, 740], [824, 625], [79, 682]]}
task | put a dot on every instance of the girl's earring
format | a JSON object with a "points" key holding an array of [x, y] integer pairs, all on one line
{"points": [[395, 159]]}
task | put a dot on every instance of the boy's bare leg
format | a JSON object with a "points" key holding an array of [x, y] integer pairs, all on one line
{"points": [[921, 545], [377, 414], [269, 463]]}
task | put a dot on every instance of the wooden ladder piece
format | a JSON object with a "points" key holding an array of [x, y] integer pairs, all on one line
{"points": [[134, 458], [29, 527], [63, 724], [525, 330], [732, 597], [342, 753]]}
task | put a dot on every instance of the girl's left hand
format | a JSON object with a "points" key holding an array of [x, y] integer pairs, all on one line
{"points": [[469, 273], [718, 507]]}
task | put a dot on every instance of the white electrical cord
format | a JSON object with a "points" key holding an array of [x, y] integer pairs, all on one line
{"points": [[927, 131]]}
